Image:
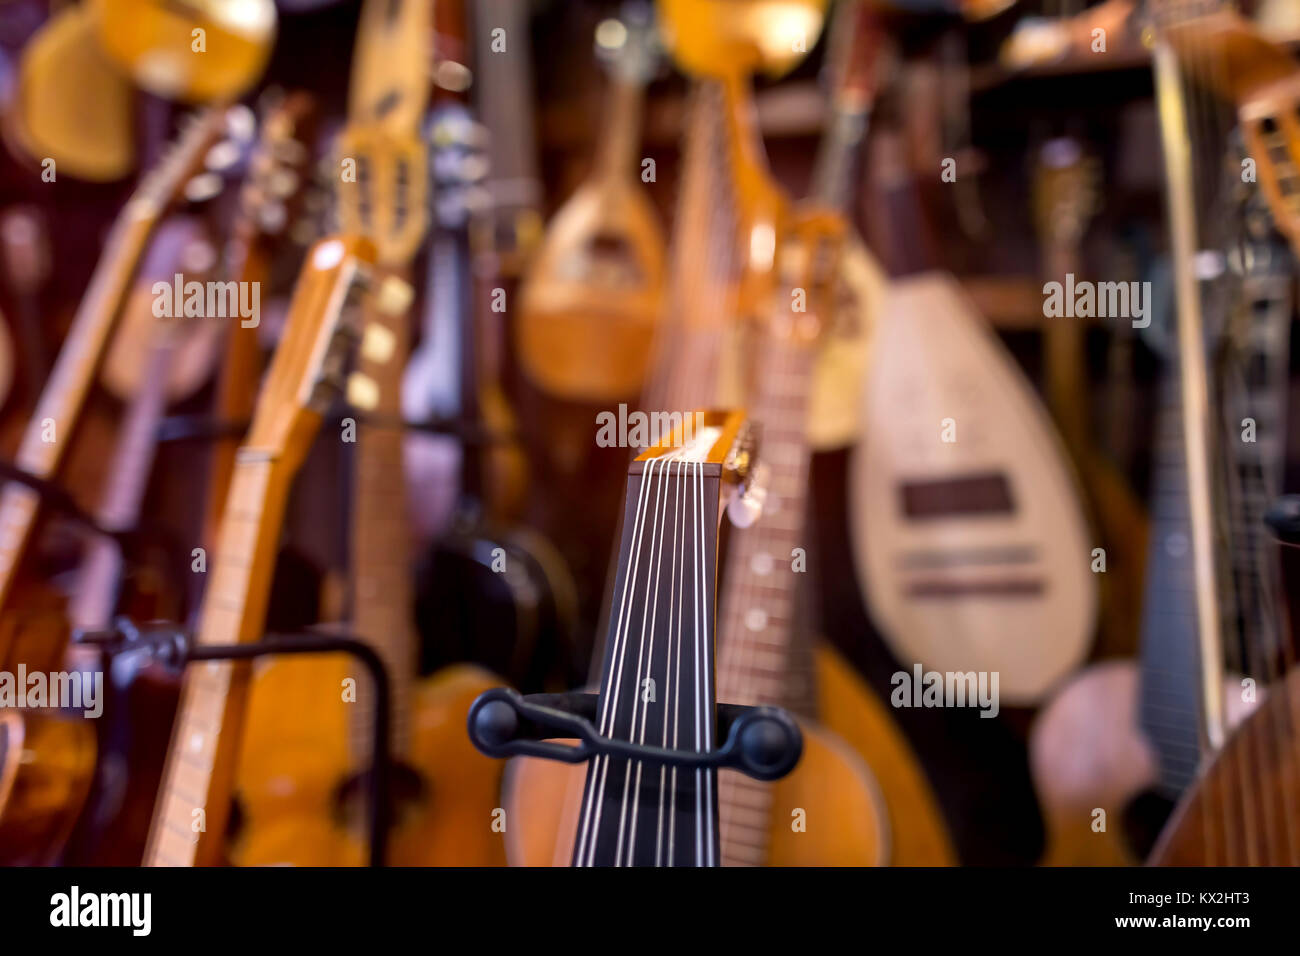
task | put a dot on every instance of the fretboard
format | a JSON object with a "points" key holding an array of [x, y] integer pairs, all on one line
{"points": [[757, 633], [46, 440], [199, 774], [381, 534], [658, 675]]}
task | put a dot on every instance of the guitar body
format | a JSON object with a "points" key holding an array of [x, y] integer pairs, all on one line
{"points": [[290, 779], [507, 603], [71, 105], [153, 42], [47, 762], [1231, 816], [1087, 751], [969, 538], [866, 801]]}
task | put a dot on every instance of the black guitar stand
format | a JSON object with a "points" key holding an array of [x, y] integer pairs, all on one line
{"points": [[761, 742], [175, 648], [1283, 519]]}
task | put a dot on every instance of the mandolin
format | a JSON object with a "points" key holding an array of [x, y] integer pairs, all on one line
{"points": [[49, 760], [593, 293], [968, 534], [303, 381], [657, 680]]}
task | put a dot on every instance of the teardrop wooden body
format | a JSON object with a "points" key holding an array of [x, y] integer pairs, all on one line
{"points": [[969, 537]]}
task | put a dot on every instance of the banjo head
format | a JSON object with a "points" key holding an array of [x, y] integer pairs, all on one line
{"points": [[968, 534]]}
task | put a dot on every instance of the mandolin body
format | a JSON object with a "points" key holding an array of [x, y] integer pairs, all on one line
{"points": [[854, 816], [292, 771]]}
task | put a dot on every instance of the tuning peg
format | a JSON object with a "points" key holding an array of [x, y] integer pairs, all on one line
{"points": [[203, 187], [377, 343], [362, 391], [394, 295], [222, 156], [746, 507]]}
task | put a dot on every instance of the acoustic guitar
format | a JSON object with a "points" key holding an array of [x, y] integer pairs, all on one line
{"points": [[304, 380], [49, 760], [294, 777]]}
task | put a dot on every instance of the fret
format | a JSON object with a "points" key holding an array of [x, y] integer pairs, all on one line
{"points": [[381, 585]]}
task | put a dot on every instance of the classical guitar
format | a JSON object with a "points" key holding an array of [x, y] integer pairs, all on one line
{"points": [[198, 51], [305, 378], [49, 760], [295, 771]]}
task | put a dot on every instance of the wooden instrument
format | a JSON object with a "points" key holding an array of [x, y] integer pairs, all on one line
{"points": [[294, 796], [855, 68], [1065, 197], [49, 763], [657, 679], [198, 51], [6, 361], [71, 105], [762, 657], [488, 590], [969, 538], [1220, 821], [131, 735], [593, 294], [303, 380]]}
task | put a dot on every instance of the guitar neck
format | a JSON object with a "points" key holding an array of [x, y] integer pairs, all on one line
{"points": [[381, 586], [194, 803], [657, 685], [48, 435], [757, 631]]}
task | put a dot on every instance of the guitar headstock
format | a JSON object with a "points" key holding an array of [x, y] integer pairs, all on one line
{"points": [[310, 369], [383, 161], [628, 46], [1066, 191], [722, 38], [1245, 67], [189, 163], [277, 168]]}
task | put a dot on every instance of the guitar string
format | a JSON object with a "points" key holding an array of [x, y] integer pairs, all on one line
{"points": [[704, 678], [677, 590], [598, 768], [644, 666]]}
